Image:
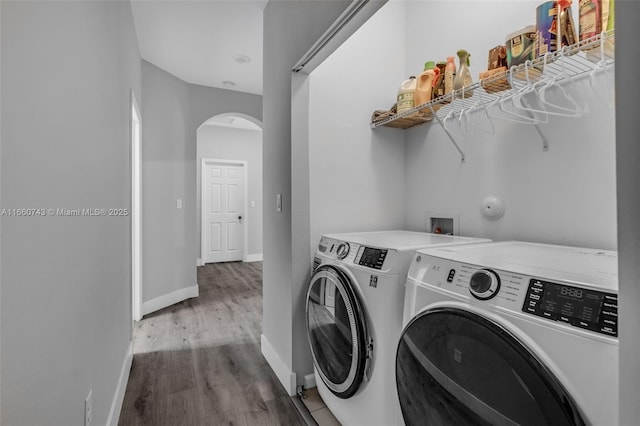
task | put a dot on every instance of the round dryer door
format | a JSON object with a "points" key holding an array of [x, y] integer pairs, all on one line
{"points": [[337, 332], [454, 367]]}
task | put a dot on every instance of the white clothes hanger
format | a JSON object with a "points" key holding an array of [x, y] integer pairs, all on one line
{"points": [[574, 109], [513, 116], [562, 111]]}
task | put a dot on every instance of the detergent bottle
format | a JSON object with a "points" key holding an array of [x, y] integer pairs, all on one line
{"points": [[424, 84], [405, 95], [438, 87], [449, 75]]}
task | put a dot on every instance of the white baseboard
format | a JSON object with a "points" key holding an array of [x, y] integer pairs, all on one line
{"points": [[118, 398], [284, 374], [199, 262], [169, 299], [309, 381], [253, 257]]}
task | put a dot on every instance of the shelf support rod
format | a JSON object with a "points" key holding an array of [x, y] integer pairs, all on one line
{"points": [[545, 142], [447, 131]]}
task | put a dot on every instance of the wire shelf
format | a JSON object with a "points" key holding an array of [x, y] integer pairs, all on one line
{"points": [[565, 64]]}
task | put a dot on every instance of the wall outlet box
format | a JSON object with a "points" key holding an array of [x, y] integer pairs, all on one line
{"points": [[442, 223], [88, 408]]}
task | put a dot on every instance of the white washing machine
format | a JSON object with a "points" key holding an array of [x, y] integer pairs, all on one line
{"points": [[510, 333], [354, 317]]}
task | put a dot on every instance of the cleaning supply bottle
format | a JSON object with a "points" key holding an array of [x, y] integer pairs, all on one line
{"points": [[405, 95], [449, 75], [424, 84], [463, 76], [438, 86]]}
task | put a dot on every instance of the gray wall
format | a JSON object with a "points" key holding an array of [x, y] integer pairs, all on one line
{"points": [[224, 143], [290, 28], [628, 166], [172, 114], [166, 249], [67, 71], [361, 188]]}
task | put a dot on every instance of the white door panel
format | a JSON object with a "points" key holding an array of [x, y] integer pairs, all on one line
{"points": [[224, 210]]}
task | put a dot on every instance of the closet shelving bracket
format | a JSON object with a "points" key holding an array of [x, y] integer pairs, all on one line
{"points": [[453, 140]]}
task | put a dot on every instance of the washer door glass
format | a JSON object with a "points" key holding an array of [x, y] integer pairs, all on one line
{"points": [[455, 367], [336, 329]]}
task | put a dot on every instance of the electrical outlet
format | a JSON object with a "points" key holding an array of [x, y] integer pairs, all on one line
{"points": [[88, 409]]}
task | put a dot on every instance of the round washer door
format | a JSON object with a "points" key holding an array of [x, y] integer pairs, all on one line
{"points": [[455, 367], [337, 331]]}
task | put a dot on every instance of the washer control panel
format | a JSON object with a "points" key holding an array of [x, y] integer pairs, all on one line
{"points": [[590, 309], [370, 257]]}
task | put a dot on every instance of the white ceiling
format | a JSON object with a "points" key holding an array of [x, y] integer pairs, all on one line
{"points": [[196, 41]]}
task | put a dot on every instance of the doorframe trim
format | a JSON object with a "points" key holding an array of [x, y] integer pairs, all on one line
{"points": [[245, 169], [136, 212]]}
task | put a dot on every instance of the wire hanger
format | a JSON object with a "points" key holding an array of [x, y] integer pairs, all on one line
{"points": [[574, 110], [564, 112], [601, 66], [513, 116]]}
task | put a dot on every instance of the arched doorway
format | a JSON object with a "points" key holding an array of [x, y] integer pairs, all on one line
{"points": [[229, 189]]}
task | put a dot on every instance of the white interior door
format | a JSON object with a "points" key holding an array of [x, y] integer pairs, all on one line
{"points": [[223, 212]]}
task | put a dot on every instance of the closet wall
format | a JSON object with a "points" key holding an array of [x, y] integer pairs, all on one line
{"points": [[566, 195], [356, 175]]}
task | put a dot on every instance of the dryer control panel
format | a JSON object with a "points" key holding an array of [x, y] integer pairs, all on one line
{"points": [[585, 308], [371, 257]]}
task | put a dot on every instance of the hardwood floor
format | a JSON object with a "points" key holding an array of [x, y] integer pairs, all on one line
{"points": [[199, 362]]}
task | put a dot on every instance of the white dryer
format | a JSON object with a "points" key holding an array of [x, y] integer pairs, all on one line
{"points": [[510, 333], [354, 316]]}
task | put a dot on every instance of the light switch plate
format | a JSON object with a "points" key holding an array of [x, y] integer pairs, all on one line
{"points": [[179, 203]]}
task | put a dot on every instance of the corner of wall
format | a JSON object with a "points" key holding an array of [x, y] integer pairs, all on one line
{"points": [[169, 299], [118, 397], [283, 372]]}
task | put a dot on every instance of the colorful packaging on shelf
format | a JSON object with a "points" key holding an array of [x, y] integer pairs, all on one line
{"points": [[590, 18], [496, 65], [521, 45], [548, 25]]}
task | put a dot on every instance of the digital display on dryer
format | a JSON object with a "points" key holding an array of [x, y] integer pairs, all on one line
{"points": [[371, 257], [589, 309], [572, 302]]}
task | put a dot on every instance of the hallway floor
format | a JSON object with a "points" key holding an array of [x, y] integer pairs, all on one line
{"points": [[199, 362]]}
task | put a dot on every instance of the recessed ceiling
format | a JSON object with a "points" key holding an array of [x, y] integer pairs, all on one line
{"points": [[200, 41], [233, 122]]}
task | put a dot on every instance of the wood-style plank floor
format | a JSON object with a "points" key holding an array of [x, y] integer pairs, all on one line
{"points": [[199, 362]]}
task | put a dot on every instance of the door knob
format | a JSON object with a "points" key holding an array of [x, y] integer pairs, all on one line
{"points": [[239, 217]]}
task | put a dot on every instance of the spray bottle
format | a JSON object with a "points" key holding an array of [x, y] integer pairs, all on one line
{"points": [[463, 76]]}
